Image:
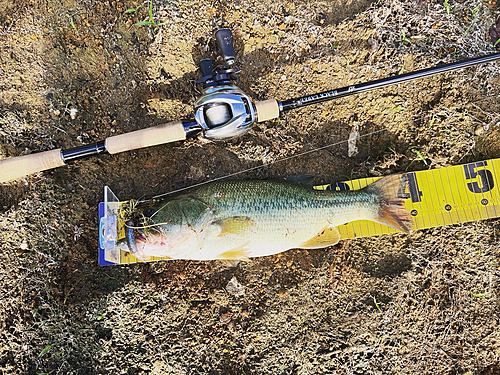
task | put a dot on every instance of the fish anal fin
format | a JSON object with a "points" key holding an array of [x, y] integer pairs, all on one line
{"points": [[234, 225], [235, 254], [327, 237]]}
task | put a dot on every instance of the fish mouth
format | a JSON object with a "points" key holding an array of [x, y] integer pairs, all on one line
{"points": [[132, 238]]}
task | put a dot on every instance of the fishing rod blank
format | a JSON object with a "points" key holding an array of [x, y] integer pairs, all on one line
{"points": [[380, 83]]}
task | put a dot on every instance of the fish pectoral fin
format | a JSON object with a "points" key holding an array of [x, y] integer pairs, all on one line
{"points": [[235, 254], [327, 237], [234, 225]]}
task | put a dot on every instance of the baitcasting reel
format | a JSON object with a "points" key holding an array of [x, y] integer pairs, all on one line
{"points": [[224, 111]]}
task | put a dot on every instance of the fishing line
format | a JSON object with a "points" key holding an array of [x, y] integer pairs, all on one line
{"points": [[262, 165]]}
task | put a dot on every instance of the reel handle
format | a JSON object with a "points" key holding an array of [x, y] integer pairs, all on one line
{"points": [[206, 66], [224, 39]]}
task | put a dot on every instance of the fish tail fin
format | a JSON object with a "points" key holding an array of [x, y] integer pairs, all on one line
{"points": [[392, 211]]}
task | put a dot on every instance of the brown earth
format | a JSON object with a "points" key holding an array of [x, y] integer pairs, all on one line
{"points": [[424, 303]]}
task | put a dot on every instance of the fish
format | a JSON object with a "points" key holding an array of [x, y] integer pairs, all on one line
{"points": [[237, 220]]}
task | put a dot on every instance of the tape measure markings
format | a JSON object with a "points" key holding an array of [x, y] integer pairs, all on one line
{"points": [[449, 203], [493, 200], [487, 185], [415, 195], [442, 196], [464, 197], [448, 199], [455, 210], [473, 187], [491, 185], [489, 209], [456, 206], [489, 194], [440, 202], [427, 200]]}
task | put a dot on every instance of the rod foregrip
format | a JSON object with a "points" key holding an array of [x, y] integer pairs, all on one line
{"points": [[20, 166], [267, 110], [156, 135]]}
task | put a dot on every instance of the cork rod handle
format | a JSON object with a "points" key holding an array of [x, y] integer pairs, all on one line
{"points": [[20, 166], [156, 135], [267, 110]]}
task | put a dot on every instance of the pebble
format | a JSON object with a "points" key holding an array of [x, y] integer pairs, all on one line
{"points": [[235, 288], [226, 318], [480, 130], [72, 113]]}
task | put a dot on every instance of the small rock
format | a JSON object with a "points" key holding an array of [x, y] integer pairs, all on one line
{"points": [[72, 113], [480, 130], [283, 77], [353, 137], [495, 33], [23, 246], [235, 288], [226, 318], [373, 44]]}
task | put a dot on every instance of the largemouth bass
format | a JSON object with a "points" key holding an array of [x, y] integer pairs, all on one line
{"points": [[243, 219]]}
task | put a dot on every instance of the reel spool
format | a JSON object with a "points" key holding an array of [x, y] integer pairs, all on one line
{"points": [[224, 112]]}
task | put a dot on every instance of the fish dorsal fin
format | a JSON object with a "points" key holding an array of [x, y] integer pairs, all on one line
{"points": [[234, 225], [327, 237], [302, 179]]}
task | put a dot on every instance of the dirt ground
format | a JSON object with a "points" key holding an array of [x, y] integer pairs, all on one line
{"points": [[426, 303]]}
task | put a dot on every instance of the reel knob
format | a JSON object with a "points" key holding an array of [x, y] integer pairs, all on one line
{"points": [[206, 66], [225, 41]]}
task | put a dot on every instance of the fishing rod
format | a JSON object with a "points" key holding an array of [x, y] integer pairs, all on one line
{"points": [[222, 112]]}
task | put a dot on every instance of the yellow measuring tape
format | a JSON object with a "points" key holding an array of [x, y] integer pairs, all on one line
{"points": [[437, 197]]}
